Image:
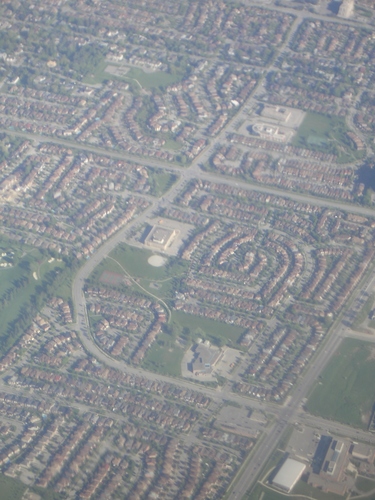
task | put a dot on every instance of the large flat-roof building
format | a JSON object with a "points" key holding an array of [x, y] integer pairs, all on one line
{"points": [[161, 237], [278, 113], [205, 358], [288, 475]]}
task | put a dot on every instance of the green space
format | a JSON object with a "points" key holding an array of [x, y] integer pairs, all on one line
{"points": [[364, 484], [263, 493], [172, 145], [161, 282], [160, 181], [166, 353], [327, 134], [216, 332], [345, 391], [363, 12], [153, 79], [35, 276], [134, 261], [11, 489], [284, 440], [363, 314], [302, 488], [164, 356], [301, 491], [141, 79], [99, 75]]}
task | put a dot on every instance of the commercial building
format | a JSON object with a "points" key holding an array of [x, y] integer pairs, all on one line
{"points": [[289, 474]]}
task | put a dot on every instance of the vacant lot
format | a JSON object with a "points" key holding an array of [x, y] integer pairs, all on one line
{"points": [[346, 390]]}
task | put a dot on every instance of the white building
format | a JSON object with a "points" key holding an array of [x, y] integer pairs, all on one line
{"points": [[289, 474]]}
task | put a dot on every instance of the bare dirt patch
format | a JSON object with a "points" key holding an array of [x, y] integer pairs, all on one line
{"points": [[111, 278], [157, 261]]}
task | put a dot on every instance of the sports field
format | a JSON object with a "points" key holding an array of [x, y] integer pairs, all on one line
{"points": [[346, 391]]}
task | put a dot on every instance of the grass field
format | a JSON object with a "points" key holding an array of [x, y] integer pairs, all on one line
{"points": [[364, 484], [134, 261], [301, 491], [160, 182], [215, 331], [157, 281], [164, 356], [153, 79], [99, 75], [303, 488], [363, 314], [172, 145], [10, 488], [346, 390], [34, 266], [263, 493], [327, 134], [142, 79]]}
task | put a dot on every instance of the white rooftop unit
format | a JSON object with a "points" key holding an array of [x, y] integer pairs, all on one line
{"points": [[289, 474]]}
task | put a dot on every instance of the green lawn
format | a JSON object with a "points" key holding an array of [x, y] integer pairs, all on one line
{"points": [[364, 484], [303, 488], [215, 331], [346, 390], [158, 281], [134, 261], [284, 440], [8, 275], [363, 314], [11, 489], [150, 80], [262, 493], [160, 182], [142, 79], [327, 134], [22, 296], [172, 145], [164, 356], [99, 75], [34, 265], [300, 492]]}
